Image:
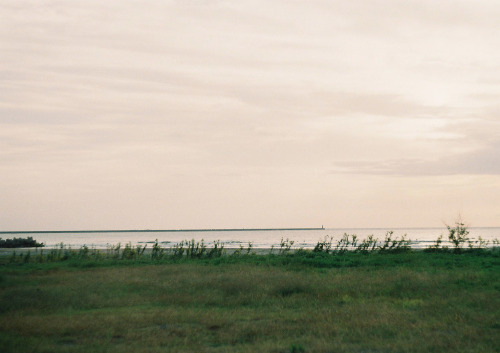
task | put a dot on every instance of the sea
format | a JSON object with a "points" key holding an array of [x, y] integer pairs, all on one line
{"points": [[259, 238]]}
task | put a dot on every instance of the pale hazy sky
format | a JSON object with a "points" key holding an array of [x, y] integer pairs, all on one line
{"points": [[195, 114]]}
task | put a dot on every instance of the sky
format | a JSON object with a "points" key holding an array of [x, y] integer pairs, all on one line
{"points": [[247, 114]]}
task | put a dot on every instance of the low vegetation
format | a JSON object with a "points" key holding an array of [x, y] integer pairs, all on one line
{"points": [[350, 296], [300, 302], [191, 249]]}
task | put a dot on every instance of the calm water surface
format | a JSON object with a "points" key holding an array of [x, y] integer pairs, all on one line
{"points": [[421, 237]]}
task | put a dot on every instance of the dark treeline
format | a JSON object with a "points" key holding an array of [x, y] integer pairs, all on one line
{"points": [[28, 242]]}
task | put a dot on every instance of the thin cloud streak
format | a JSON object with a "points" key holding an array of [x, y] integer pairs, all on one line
{"points": [[483, 162]]}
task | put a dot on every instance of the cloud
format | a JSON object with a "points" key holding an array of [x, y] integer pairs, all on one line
{"points": [[485, 161], [195, 97]]}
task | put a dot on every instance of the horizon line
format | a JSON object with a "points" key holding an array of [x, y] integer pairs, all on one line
{"points": [[212, 230], [158, 230]]}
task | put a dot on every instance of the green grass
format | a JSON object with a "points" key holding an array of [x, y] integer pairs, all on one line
{"points": [[300, 302]]}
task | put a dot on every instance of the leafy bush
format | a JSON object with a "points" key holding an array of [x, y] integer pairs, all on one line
{"points": [[457, 234], [394, 245], [285, 246]]}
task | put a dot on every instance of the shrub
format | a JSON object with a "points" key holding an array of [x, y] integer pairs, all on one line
{"points": [[28, 242], [285, 246], [458, 234], [324, 246], [157, 252], [394, 245], [367, 245], [217, 250]]}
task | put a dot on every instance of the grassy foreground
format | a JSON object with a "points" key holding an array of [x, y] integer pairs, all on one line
{"points": [[298, 302]]}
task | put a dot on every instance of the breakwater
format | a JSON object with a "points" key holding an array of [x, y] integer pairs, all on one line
{"points": [[157, 230]]}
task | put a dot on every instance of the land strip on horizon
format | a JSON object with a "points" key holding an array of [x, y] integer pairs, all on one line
{"points": [[157, 230]]}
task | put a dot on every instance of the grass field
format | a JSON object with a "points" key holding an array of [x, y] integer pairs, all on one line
{"points": [[300, 302]]}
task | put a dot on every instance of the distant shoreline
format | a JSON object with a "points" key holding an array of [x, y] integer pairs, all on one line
{"points": [[157, 230]]}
